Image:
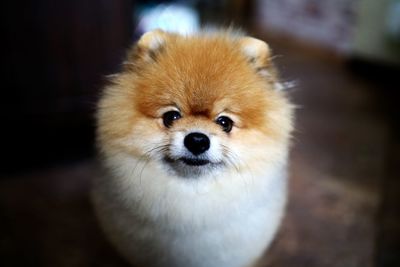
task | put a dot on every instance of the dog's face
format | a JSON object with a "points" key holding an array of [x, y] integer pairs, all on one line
{"points": [[196, 105]]}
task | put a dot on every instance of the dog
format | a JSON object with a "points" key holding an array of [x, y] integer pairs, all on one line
{"points": [[194, 135]]}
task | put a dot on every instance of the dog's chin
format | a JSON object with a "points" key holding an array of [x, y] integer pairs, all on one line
{"points": [[192, 167]]}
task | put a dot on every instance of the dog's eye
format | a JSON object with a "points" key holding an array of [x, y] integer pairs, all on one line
{"points": [[169, 117], [225, 122]]}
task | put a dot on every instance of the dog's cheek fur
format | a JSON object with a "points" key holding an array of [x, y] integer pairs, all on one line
{"points": [[121, 128]]}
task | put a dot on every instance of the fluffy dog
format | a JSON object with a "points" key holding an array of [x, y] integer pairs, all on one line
{"points": [[193, 134]]}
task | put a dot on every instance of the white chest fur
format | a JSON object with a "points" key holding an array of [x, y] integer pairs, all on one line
{"points": [[155, 219]]}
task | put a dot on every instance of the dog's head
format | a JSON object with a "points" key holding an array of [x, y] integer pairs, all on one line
{"points": [[196, 105]]}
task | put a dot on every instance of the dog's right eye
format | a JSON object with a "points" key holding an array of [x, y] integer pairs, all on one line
{"points": [[169, 117]]}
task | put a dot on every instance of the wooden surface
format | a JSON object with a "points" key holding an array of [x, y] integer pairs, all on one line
{"points": [[336, 183]]}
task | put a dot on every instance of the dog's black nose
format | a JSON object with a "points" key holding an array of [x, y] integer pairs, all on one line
{"points": [[197, 143]]}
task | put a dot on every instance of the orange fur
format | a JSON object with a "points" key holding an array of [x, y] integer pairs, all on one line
{"points": [[202, 75]]}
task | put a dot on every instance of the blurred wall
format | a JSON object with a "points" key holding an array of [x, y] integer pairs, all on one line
{"points": [[357, 28], [328, 23], [55, 57], [372, 36]]}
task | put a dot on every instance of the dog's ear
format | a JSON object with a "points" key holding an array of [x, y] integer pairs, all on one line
{"points": [[147, 48], [258, 55], [153, 40]]}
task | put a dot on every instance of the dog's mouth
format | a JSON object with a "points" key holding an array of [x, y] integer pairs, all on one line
{"points": [[189, 161], [194, 161], [192, 166]]}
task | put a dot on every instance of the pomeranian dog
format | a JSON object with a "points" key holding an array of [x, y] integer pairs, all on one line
{"points": [[193, 134]]}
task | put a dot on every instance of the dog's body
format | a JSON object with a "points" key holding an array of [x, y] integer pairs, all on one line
{"points": [[194, 139]]}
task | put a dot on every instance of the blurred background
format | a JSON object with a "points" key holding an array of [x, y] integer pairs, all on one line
{"points": [[343, 55]]}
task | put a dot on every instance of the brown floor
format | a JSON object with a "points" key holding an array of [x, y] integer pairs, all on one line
{"points": [[338, 166]]}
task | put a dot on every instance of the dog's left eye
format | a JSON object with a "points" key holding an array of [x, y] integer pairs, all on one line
{"points": [[225, 122], [170, 116]]}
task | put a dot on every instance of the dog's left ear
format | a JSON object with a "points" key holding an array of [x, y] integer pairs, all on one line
{"points": [[258, 55]]}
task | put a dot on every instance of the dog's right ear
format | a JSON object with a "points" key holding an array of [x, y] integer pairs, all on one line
{"points": [[153, 41], [147, 48]]}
